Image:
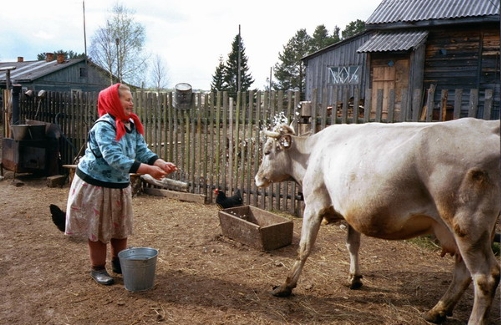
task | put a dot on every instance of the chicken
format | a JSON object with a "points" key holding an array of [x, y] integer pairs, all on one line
{"points": [[224, 202], [58, 217]]}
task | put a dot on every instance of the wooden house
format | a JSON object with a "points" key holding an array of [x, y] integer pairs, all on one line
{"points": [[415, 45], [55, 73]]}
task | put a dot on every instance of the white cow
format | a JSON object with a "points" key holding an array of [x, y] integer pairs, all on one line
{"points": [[398, 181]]}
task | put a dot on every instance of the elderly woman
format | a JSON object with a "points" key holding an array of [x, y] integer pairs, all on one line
{"points": [[99, 204]]}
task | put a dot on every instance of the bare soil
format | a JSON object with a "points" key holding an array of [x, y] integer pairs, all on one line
{"points": [[203, 277]]}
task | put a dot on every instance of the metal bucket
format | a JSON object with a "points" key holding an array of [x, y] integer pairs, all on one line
{"points": [[138, 267], [28, 132], [182, 96]]}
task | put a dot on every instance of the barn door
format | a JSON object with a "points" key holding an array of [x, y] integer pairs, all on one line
{"points": [[393, 75]]}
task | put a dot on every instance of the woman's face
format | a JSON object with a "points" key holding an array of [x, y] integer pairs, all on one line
{"points": [[127, 103]]}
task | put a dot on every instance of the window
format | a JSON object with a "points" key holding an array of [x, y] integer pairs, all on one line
{"points": [[83, 72], [345, 75]]}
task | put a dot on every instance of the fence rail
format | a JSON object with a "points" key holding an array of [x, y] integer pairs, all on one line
{"points": [[217, 142]]}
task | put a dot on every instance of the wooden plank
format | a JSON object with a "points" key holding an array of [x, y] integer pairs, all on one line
{"points": [[356, 104], [488, 101], [391, 107], [254, 188], [379, 104], [210, 154], [416, 104], [430, 103], [346, 100], [323, 109], [166, 183], [473, 104], [368, 105], [198, 167], [444, 97], [458, 96], [231, 145], [274, 186], [181, 196]]}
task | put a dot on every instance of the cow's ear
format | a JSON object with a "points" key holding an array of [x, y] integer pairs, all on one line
{"points": [[286, 141]]}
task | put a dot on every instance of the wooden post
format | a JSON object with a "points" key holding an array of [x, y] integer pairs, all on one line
{"points": [[304, 119], [443, 104]]}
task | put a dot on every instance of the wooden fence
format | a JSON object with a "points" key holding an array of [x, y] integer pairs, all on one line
{"points": [[217, 141]]}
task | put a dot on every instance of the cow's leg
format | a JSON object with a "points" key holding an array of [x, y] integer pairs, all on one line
{"points": [[311, 225], [353, 246], [485, 289], [460, 281], [485, 273], [473, 225], [472, 222]]}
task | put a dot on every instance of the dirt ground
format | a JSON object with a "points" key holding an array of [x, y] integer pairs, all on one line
{"points": [[203, 277]]}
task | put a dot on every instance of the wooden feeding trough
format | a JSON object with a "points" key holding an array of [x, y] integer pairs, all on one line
{"points": [[255, 227]]}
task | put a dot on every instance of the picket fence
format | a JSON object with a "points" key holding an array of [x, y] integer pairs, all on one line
{"points": [[217, 142]]}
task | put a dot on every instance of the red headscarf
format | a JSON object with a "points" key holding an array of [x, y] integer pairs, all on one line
{"points": [[108, 101]]}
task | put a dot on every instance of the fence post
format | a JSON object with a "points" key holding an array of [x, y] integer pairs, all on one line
{"points": [[488, 104], [473, 107], [430, 103], [416, 104], [458, 96], [379, 105], [368, 105]]}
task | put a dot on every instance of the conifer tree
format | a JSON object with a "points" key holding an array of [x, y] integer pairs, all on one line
{"points": [[321, 38], [289, 72], [353, 28], [218, 83], [237, 58]]}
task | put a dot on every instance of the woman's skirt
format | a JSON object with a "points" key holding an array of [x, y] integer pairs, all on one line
{"points": [[98, 213]]}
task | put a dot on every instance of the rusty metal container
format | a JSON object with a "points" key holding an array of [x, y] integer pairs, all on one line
{"points": [[257, 228], [27, 132]]}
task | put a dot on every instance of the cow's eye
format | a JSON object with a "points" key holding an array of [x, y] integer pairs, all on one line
{"points": [[267, 152]]}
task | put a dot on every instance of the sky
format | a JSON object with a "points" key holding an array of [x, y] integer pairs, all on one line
{"points": [[188, 36]]}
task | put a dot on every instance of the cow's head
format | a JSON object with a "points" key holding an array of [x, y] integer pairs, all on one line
{"points": [[276, 163]]}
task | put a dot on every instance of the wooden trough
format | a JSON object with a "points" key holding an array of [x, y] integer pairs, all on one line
{"points": [[255, 227]]}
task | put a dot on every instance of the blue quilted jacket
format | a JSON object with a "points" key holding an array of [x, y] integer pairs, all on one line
{"points": [[108, 162]]}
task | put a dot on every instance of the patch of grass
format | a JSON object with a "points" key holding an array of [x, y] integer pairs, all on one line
{"points": [[427, 242], [496, 249], [430, 242]]}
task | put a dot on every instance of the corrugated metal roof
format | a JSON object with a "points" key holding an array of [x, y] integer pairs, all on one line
{"points": [[31, 70], [391, 11], [393, 41]]}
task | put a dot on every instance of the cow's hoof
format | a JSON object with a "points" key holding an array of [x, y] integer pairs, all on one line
{"points": [[356, 285], [356, 282], [281, 291], [434, 317]]}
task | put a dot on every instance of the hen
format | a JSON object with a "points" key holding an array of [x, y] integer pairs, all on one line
{"points": [[58, 217], [224, 202]]}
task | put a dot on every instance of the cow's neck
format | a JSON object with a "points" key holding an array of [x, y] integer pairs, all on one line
{"points": [[300, 151]]}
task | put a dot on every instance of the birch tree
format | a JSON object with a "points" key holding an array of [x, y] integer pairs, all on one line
{"points": [[118, 47]]}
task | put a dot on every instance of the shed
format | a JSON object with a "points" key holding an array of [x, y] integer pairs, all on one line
{"points": [[56, 73], [450, 45], [338, 65]]}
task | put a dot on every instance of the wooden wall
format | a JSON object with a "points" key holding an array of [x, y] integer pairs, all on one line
{"points": [[344, 54], [453, 57], [464, 58]]}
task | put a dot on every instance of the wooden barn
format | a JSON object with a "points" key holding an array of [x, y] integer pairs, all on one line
{"points": [[410, 47], [55, 73]]}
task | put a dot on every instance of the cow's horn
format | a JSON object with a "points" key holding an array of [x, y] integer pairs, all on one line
{"points": [[271, 134]]}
